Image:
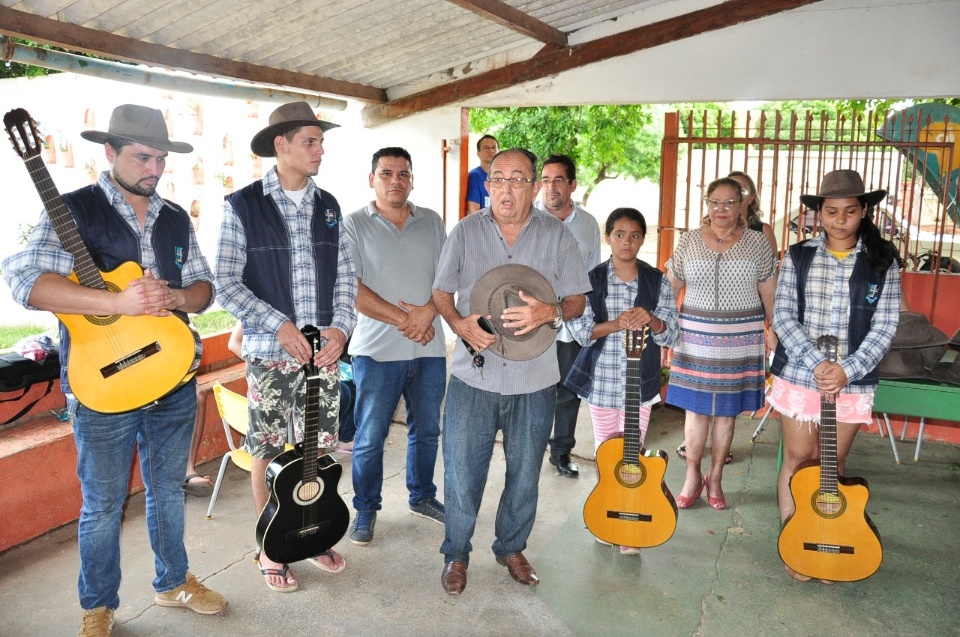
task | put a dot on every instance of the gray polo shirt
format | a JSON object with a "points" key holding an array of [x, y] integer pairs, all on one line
{"points": [[397, 265], [476, 246], [586, 231]]}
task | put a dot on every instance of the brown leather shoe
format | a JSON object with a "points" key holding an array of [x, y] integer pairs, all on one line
{"points": [[520, 569], [454, 577]]}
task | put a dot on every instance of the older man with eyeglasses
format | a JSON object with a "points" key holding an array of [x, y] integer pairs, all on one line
{"points": [[515, 396]]}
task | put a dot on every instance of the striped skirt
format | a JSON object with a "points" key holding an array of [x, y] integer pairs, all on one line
{"points": [[718, 366]]}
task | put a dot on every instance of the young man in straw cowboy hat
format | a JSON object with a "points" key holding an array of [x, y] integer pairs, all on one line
{"points": [[520, 268], [120, 219], [282, 263]]}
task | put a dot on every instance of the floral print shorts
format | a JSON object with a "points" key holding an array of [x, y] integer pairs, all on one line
{"points": [[276, 398]]}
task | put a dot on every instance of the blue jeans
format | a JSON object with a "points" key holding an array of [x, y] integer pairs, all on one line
{"points": [[379, 387], [105, 444], [471, 419]]}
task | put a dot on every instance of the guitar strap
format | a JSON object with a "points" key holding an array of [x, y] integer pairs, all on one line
{"points": [[29, 406]]}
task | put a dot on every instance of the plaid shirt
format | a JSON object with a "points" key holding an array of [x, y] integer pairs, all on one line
{"points": [[607, 387], [261, 321], [827, 296], [44, 252]]}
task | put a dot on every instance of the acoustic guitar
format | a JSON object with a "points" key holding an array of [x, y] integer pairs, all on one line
{"points": [[117, 363], [829, 536], [631, 504], [305, 515]]}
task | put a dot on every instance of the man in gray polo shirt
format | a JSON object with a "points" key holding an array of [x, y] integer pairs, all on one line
{"points": [[398, 346], [516, 397], [559, 178]]}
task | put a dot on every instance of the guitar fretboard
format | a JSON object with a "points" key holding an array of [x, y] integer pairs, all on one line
{"points": [[632, 445], [66, 228]]}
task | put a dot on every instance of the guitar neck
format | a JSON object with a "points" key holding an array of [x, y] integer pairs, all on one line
{"points": [[631, 420], [828, 445], [632, 399], [64, 224], [311, 424]]}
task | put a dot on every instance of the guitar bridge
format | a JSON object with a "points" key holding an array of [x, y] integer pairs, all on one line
{"points": [[130, 359], [307, 531], [827, 548], [630, 517]]}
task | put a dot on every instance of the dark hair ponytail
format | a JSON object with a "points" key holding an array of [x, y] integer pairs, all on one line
{"points": [[881, 252]]}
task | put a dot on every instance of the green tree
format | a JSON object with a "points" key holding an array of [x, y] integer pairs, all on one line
{"points": [[604, 141]]}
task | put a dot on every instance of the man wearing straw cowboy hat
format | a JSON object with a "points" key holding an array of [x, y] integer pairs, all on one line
{"points": [[120, 219], [520, 269], [282, 263]]}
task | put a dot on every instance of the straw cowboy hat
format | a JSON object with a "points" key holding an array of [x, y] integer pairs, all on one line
{"points": [[499, 289], [141, 125], [283, 119], [840, 184], [914, 330]]}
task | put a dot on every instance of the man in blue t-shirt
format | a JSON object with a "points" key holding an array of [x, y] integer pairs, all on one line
{"points": [[477, 195]]}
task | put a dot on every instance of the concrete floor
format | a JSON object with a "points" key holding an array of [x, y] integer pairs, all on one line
{"points": [[718, 575]]}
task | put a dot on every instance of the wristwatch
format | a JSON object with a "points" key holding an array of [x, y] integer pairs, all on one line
{"points": [[557, 322]]}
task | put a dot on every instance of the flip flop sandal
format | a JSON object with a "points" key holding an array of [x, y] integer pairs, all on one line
{"points": [[323, 567], [200, 489], [279, 572]]}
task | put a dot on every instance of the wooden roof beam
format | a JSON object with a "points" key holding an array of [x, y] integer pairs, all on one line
{"points": [[514, 19], [552, 60], [70, 36]]}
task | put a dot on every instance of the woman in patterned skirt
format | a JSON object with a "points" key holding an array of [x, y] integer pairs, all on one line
{"points": [[728, 273]]}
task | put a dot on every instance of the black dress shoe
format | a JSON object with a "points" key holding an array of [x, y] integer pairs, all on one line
{"points": [[565, 466], [454, 577]]}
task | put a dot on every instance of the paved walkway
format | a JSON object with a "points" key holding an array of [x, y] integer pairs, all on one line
{"points": [[718, 575]]}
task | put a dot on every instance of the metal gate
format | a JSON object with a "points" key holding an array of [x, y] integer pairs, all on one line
{"points": [[787, 154]]}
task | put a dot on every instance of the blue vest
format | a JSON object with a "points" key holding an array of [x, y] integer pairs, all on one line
{"points": [[268, 272], [866, 286], [111, 243], [580, 378]]}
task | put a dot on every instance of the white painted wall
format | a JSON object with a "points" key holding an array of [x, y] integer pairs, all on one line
{"points": [[59, 103]]}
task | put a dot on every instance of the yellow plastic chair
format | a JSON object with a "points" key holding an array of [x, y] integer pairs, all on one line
{"points": [[233, 412]]}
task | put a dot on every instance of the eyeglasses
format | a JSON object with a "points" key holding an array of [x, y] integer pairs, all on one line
{"points": [[517, 183], [493, 148], [556, 181], [715, 204]]}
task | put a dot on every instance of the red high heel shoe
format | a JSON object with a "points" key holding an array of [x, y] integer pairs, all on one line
{"points": [[685, 502], [718, 504]]}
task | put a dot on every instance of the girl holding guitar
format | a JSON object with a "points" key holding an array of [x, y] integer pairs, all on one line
{"points": [[844, 282], [628, 294]]}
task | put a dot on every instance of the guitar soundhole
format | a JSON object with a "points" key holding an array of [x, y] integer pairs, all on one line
{"points": [[100, 321], [308, 492], [828, 505], [629, 475]]}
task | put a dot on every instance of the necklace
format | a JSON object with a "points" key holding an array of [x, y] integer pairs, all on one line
{"points": [[722, 239]]}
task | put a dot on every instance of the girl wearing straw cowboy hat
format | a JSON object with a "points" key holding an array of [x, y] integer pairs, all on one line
{"points": [[844, 282]]}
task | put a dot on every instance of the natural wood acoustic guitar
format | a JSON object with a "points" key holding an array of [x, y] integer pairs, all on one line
{"points": [[117, 363], [829, 536], [631, 504]]}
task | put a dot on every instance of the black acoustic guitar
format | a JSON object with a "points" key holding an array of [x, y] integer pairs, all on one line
{"points": [[305, 515]]}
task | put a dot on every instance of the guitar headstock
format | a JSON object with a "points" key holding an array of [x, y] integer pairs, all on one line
{"points": [[828, 345], [312, 334], [634, 341], [24, 133]]}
